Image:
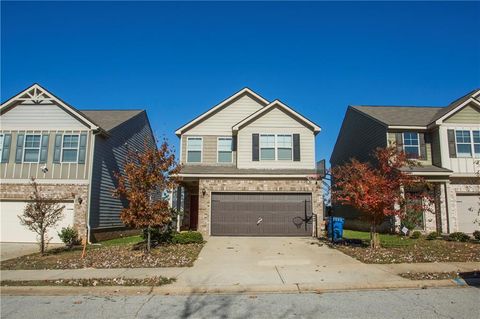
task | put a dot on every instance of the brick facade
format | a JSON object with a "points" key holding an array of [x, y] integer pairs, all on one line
{"points": [[210, 185], [67, 192]]}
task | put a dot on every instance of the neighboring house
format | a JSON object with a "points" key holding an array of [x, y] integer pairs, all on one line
{"points": [[72, 154], [445, 140], [248, 166]]}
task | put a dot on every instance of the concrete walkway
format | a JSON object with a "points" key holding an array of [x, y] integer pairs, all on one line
{"points": [[14, 250]]}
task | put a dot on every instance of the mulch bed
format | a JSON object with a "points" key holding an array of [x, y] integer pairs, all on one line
{"points": [[120, 281], [439, 275], [421, 251], [109, 257]]}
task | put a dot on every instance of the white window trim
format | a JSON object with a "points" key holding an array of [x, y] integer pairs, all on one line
{"points": [[418, 146], [472, 148], [275, 147], [201, 149], [32, 148], [70, 148], [218, 152]]}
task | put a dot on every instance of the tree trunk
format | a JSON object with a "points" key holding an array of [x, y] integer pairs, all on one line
{"points": [[42, 243], [374, 240], [148, 239]]}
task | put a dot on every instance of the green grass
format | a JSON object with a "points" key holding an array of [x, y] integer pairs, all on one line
{"points": [[130, 240], [386, 240]]}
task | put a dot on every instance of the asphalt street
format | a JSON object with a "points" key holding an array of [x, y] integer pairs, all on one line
{"points": [[409, 303]]}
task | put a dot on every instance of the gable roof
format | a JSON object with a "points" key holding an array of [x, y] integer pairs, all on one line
{"points": [[109, 119], [220, 106], [416, 115], [277, 103]]}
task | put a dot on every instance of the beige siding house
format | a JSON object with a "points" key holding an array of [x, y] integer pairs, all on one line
{"points": [[249, 168], [71, 154], [445, 140]]}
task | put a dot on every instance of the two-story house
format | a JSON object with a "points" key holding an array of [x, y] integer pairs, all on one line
{"points": [[445, 140], [248, 164], [72, 154]]}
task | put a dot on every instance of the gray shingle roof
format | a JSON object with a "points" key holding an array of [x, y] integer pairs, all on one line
{"points": [[109, 119], [231, 170], [426, 169]]}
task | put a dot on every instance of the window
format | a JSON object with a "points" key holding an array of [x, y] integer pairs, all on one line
{"points": [[476, 143], [464, 143], [267, 147], [411, 145], [194, 150], [284, 147], [1, 145], [224, 147], [31, 152], [70, 148]]}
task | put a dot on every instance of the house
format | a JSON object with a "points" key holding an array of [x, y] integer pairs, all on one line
{"points": [[445, 140], [249, 170], [72, 154]]}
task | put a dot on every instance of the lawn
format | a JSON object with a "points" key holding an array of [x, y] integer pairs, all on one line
{"points": [[115, 253], [400, 249]]}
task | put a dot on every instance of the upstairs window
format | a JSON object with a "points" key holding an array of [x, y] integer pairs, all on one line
{"points": [[31, 150], [464, 143], [267, 147], [194, 149], [224, 150], [476, 143], [70, 148], [411, 144], [1, 145], [284, 147]]}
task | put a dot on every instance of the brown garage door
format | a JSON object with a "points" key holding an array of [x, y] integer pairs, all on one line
{"points": [[261, 214]]}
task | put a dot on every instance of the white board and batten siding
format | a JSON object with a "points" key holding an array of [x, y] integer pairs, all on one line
{"points": [[276, 122]]}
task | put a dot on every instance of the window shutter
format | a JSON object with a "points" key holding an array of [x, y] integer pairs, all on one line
{"points": [[399, 141], [296, 147], [423, 147], [452, 150], [255, 147], [234, 143], [7, 141], [19, 150], [82, 149], [44, 149], [57, 151]]}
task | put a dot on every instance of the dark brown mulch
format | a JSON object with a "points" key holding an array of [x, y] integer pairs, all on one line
{"points": [[93, 282], [122, 256], [439, 275], [421, 251]]}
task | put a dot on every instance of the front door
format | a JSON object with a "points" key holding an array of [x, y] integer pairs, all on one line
{"points": [[193, 212]]}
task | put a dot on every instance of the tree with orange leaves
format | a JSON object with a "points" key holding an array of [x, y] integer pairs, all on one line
{"points": [[146, 176], [380, 190]]}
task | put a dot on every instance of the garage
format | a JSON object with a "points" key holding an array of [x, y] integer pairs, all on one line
{"points": [[261, 214], [13, 231], [468, 207]]}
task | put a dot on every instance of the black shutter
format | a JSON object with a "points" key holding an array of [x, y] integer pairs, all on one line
{"points": [[58, 148], [44, 149], [19, 150], [452, 150], [255, 147], [234, 143], [82, 150], [7, 141], [423, 147], [399, 141], [296, 147]]}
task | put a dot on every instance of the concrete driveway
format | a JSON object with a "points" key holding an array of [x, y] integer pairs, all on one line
{"points": [[276, 261], [14, 250]]}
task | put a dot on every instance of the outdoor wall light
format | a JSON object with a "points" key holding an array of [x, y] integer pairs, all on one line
{"points": [[204, 191], [79, 200]]}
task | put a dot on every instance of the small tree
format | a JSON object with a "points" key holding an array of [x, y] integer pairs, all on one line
{"points": [[146, 176], [41, 214], [379, 190]]}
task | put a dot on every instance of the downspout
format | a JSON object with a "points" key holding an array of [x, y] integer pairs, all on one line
{"points": [[446, 208], [90, 176]]}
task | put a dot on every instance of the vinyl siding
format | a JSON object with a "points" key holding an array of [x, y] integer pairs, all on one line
{"points": [[220, 123], [358, 137], [64, 171], [428, 146], [277, 122], [209, 156], [467, 115], [109, 157]]}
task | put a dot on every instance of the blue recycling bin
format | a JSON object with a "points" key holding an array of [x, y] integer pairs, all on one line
{"points": [[335, 228]]}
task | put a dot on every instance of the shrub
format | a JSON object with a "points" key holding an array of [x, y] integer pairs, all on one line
{"points": [[459, 236], [476, 234], [432, 236], [159, 235], [187, 237], [416, 234], [69, 237]]}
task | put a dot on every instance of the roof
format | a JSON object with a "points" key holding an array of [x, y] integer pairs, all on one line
{"points": [[109, 119], [414, 115], [426, 169], [231, 170]]}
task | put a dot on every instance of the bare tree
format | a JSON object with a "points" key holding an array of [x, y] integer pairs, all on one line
{"points": [[41, 214]]}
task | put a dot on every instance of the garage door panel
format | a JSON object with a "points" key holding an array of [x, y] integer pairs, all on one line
{"points": [[261, 214], [467, 212]]}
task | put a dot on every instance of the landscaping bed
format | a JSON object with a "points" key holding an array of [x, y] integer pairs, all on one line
{"points": [[117, 253], [439, 275], [399, 249], [120, 281]]}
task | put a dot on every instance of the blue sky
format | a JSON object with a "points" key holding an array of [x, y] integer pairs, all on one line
{"points": [[176, 60]]}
